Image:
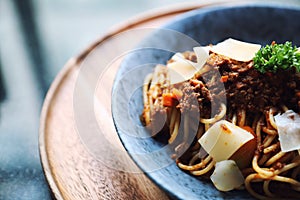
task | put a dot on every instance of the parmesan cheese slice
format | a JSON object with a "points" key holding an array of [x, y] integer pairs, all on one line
{"points": [[182, 69], [202, 54], [237, 50], [227, 176], [288, 126], [223, 139]]}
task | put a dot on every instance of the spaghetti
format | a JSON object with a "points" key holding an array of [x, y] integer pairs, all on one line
{"points": [[252, 99]]}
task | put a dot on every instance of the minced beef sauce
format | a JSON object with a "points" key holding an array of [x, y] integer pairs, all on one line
{"points": [[243, 86]]}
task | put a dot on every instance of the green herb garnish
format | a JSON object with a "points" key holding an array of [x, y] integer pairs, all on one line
{"points": [[277, 56]]}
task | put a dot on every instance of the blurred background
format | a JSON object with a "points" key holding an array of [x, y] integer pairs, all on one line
{"points": [[37, 37]]}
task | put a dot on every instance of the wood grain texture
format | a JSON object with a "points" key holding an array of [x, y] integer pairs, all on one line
{"points": [[72, 171]]}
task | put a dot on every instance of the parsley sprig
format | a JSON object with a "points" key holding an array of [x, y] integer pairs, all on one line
{"points": [[277, 56]]}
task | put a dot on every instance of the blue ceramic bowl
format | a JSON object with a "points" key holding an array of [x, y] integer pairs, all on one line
{"points": [[253, 23]]}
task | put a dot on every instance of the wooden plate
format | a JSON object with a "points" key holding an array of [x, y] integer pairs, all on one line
{"points": [[76, 169]]}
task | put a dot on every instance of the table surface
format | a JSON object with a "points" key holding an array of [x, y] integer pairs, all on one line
{"points": [[92, 163], [37, 39]]}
